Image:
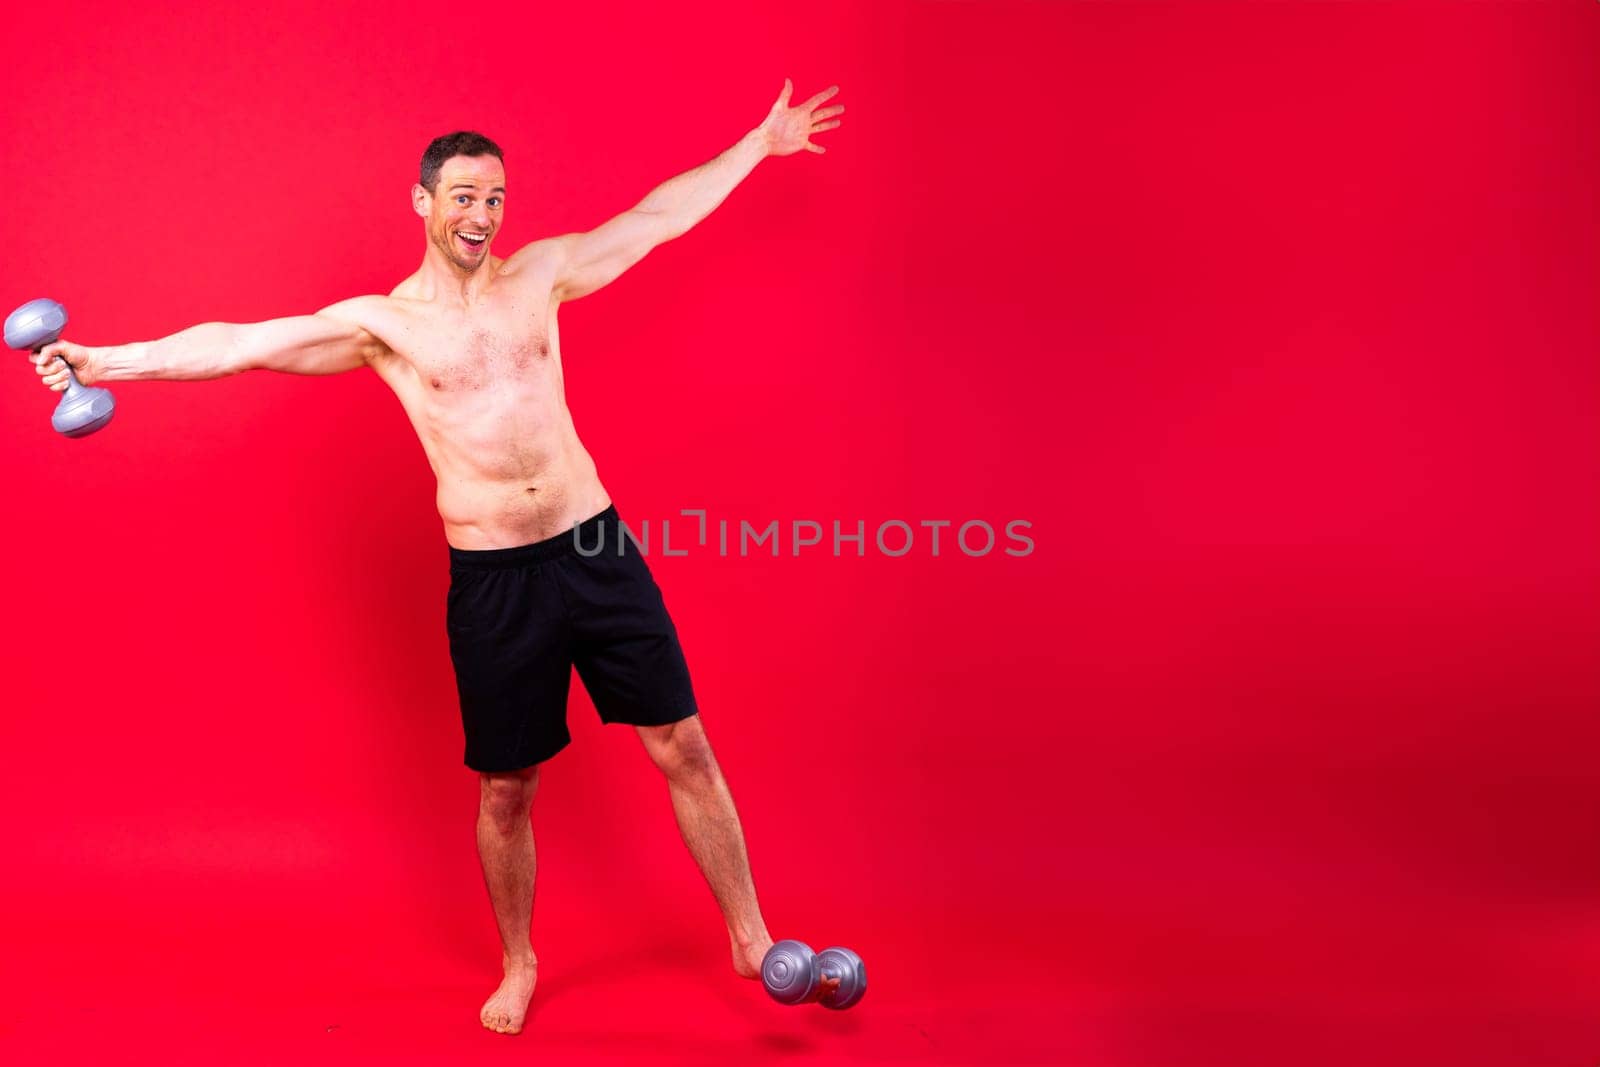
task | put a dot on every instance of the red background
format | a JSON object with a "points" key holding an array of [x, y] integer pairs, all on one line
{"points": [[1277, 321]]}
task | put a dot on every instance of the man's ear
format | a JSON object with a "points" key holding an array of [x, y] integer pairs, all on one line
{"points": [[420, 199]]}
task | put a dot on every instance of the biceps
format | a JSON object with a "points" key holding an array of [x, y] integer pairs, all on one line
{"points": [[596, 258], [303, 344]]}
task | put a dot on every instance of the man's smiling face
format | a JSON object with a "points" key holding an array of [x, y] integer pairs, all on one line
{"points": [[466, 204]]}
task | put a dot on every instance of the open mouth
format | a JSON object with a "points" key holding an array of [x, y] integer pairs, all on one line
{"points": [[469, 241]]}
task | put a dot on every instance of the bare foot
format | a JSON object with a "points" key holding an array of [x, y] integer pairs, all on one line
{"points": [[747, 958], [504, 1011], [747, 964]]}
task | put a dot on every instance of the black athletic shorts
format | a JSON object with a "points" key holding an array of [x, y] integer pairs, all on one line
{"points": [[520, 619]]}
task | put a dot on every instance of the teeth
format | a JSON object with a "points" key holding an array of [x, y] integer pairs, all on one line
{"points": [[480, 237]]}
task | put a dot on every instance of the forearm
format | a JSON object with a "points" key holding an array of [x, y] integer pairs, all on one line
{"points": [[209, 350], [694, 194]]}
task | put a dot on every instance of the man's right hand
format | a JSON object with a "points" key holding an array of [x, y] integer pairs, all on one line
{"points": [[47, 363]]}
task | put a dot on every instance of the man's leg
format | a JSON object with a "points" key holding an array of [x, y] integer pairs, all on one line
{"points": [[505, 848], [710, 827]]}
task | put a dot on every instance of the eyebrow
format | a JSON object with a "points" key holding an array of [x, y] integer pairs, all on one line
{"points": [[470, 185]]}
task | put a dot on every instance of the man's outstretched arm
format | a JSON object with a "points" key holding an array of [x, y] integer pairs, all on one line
{"points": [[588, 261], [328, 342]]}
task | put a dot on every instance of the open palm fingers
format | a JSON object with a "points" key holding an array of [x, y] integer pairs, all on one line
{"points": [[820, 97]]}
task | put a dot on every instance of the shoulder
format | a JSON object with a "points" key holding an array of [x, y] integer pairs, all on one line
{"points": [[369, 315], [357, 310], [541, 258]]}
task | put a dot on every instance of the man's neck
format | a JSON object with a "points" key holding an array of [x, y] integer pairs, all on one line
{"points": [[442, 281]]}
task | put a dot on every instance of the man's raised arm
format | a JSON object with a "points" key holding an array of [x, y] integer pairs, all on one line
{"points": [[588, 261], [328, 342]]}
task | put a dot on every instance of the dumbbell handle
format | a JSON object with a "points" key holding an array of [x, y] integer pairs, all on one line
{"points": [[74, 385], [826, 969]]}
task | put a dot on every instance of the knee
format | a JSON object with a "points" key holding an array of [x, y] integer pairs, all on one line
{"points": [[506, 798], [680, 749]]}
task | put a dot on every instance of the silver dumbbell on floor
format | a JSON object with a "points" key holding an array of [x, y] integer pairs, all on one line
{"points": [[793, 974]]}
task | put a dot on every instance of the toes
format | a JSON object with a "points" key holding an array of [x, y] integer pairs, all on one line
{"points": [[500, 1015]]}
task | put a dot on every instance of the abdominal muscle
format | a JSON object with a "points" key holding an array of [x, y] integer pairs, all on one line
{"points": [[510, 467]]}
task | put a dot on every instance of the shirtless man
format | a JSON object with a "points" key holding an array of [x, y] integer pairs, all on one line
{"points": [[470, 346]]}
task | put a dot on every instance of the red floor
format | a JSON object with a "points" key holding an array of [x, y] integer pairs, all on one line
{"points": [[177, 982]]}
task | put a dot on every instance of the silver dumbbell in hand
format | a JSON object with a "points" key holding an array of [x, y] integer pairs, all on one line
{"points": [[84, 408]]}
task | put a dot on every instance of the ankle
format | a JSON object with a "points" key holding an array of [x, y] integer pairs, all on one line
{"points": [[528, 962], [745, 940]]}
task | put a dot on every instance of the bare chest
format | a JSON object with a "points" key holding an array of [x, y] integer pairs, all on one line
{"points": [[461, 356]]}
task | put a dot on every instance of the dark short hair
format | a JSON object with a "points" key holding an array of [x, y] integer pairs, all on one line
{"points": [[460, 143]]}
